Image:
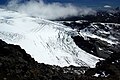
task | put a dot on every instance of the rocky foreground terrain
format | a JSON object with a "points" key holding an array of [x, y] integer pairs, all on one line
{"points": [[16, 64]]}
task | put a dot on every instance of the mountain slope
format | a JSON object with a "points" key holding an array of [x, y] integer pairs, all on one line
{"points": [[46, 41], [97, 38]]}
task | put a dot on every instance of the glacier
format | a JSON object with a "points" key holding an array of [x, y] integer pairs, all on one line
{"points": [[46, 41]]}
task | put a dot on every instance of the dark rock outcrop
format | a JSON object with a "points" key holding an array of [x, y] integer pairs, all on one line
{"points": [[109, 68]]}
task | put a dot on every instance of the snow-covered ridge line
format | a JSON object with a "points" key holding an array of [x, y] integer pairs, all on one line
{"points": [[46, 41], [94, 31], [88, 34]]}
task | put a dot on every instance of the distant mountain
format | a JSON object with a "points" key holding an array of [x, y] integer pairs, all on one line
{"points": [[111, 15], [99, 39]]}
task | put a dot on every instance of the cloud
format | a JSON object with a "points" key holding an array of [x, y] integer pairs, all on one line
{"points": [[107, 6], [48, 10]]}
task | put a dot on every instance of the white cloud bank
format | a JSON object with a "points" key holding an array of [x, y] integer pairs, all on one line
{"points": [[107, 6], [48, 11]]}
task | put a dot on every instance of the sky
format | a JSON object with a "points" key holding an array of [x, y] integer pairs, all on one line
{"points": [[54, 9], [96, 3], [89, 3]]}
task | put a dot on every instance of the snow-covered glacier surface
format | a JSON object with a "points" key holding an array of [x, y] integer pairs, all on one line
{"points": [[46, 41]]}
